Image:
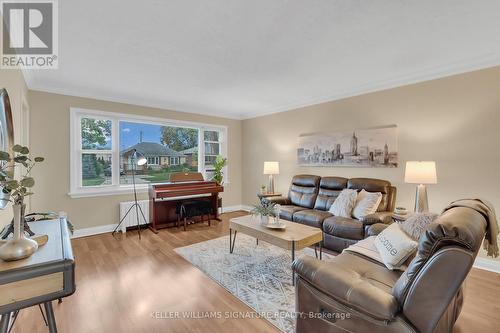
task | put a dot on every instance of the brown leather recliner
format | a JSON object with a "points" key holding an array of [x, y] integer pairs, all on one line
{"points": [[356, 294], [310, 198]]}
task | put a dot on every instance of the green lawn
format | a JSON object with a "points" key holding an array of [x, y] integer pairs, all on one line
{"points": [[93, 181], [163, 175]]}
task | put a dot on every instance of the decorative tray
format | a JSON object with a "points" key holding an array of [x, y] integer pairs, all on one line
{"points": [[276, 226]]}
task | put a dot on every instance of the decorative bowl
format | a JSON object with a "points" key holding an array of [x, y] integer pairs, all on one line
{"points": [[400, 211], [276, 225]]}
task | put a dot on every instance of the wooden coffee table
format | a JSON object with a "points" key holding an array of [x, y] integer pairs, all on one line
{"points": [[294, 237]]}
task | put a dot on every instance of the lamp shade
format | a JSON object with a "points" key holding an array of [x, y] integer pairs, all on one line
{"points": [[139, 158], [271, 168], [420, 172]]}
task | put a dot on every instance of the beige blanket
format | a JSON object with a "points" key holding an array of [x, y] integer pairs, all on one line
{"points": [[484, 207]]}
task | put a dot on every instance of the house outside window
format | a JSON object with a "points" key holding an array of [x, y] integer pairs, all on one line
{"points": [[103, 146]]}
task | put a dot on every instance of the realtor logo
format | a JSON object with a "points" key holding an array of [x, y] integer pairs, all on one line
{"points": [[29, 34]]}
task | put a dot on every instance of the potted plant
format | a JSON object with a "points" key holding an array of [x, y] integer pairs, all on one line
{"points": [[15, 190], [220, 163], [264, 210], [262, 189]]}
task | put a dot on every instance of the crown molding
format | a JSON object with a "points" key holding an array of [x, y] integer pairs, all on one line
{"points": [[140, 102], [390, 83], [488, 61]]}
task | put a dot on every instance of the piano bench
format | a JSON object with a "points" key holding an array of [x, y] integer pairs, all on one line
{"points": [[192, 208]]}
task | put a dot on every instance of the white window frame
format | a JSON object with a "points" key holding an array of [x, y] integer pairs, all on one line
{"points": [[76, 114]]}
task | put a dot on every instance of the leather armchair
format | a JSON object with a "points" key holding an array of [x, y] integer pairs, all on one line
{"points": [[353, 293]]}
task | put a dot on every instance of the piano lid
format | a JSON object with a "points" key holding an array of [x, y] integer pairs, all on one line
{"points": [[179, 177]]}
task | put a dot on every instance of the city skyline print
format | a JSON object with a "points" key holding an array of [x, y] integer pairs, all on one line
{"points": [[370, 148]]}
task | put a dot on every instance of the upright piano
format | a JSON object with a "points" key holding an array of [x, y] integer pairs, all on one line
{"points": [[164, 197]]}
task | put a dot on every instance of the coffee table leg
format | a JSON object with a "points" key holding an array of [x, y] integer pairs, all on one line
{"points": [[231, 246], [321, 247], [293, 259], [257, 241]]}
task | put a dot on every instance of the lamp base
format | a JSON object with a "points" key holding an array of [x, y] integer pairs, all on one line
{"points": [[421, 202], [270, 187]]}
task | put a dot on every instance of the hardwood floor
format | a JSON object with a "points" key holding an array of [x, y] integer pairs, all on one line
{"points": [[121, 281]]}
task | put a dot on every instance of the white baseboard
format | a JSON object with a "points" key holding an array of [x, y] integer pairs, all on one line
{"points": [[487, 264], [235, 208], [102, 229]]}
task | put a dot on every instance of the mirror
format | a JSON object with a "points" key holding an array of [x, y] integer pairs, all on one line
{"points": [[6, 135]]}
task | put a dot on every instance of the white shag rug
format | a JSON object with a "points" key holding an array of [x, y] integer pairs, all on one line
{"points": [[259, 275]]}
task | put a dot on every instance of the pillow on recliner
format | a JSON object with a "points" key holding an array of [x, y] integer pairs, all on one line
{"points": [[394, 246], [343, 205], [416, 224]]}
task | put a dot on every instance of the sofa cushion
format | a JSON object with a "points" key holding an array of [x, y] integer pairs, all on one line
{"points": [[344, 204], [304, 190], [311, 217], [287, 211], [329, 189], [353, 280], [373, 185], [343, 227], [367, 203]]}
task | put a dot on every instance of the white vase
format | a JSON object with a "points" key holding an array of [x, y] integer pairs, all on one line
{"points": [[264, 220], [18, 247]]}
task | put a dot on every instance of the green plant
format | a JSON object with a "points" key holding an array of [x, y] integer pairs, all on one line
{"points": [[18, 189], [262, 187], [220, 163], [264, 208]]}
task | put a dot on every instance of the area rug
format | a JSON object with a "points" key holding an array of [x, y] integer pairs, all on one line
{"points": [[259, 275]]}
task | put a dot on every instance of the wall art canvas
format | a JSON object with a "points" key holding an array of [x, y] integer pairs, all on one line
{"points": [[372, 147]]}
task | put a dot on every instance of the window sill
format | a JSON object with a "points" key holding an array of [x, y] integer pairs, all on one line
{"points": [[99, 192]]}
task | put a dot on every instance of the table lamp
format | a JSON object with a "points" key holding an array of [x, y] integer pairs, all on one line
{"points": [[421, 173], [271, 169]]}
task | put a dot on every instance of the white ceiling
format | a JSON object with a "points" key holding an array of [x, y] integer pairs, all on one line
{"points": [[245, 58]]}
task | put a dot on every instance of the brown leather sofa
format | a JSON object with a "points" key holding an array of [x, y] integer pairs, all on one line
{"points": [[310, 197], [355, 294]]}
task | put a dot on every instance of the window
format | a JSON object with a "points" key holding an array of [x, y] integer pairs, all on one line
{"points": [[164, 148], [176, 161], [95, 151], [104, 146], [212, 145]]}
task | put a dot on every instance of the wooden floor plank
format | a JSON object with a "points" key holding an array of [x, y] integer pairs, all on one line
{"points": [[121, 280]]}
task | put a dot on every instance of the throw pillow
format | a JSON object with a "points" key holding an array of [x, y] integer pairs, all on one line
{"points": [[343, 205], [394, 246], [366, 204], [416, 224]]}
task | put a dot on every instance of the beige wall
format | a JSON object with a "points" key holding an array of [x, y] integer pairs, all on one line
{"points": [[13, 81], [50, 137], [454, 121]]}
